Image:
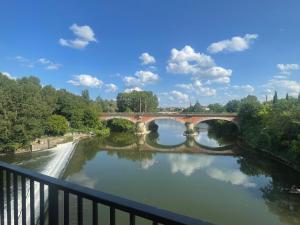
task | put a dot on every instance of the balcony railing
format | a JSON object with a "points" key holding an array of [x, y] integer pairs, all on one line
{"points": [[18, 202]]}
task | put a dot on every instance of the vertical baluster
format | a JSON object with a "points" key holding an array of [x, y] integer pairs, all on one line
{"points": [[42, 206], [8, 196], [95, 213], [23, 183], [16, 216], [132, 219], [79, 210], [66, 208], [53, 205], [32, 218], [112, 216], [1, 197]]}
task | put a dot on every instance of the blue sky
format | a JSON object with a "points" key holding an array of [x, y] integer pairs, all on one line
{"points": [[183, 50]]}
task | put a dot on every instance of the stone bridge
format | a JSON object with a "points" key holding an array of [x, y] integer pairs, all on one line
{"points": [[142, 120]]}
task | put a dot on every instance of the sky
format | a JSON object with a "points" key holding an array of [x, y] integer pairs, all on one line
{"points": [[182, 50]]}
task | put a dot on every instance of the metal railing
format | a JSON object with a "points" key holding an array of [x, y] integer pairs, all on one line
{"points": [[14, 180]]}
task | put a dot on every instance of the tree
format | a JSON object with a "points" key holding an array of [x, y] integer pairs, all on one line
{"points": [[299, 97], [275, 98], [85, 95], [287, 96], [233, 106], [56, 125], [137, 101], [216, 108]]}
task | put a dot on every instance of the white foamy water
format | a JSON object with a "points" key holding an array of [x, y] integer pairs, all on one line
{"points": [[54, 168]]}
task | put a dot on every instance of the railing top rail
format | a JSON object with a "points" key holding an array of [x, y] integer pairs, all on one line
{"points": [[139, 209]]}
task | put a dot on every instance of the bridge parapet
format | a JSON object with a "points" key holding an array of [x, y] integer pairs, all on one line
{"points": [[143, 119]]}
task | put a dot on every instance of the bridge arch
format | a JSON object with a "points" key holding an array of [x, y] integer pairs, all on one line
{"points": [[148, 121], [229, 119]]}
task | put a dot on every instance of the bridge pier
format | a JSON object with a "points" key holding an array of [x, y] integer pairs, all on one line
{"points": [[190, 129], [140, 128]]}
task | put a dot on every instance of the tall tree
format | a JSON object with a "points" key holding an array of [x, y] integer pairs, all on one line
{"points": [[287, 96], [275, 98]]}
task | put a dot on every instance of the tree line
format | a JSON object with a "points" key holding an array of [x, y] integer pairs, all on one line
{"points": [[272, 125], [29, 110]]}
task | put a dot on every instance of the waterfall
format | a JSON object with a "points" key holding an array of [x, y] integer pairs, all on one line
{"points": [[54, 168]]}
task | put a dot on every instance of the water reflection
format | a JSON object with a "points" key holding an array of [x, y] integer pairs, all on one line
{"points": [[149, 169], [187, 164]]}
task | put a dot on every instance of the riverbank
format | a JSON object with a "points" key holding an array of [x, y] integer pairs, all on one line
{"points": [[246, 147], [44, 143]]}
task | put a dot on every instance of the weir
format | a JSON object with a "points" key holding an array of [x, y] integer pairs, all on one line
{"points": [[54, 168]]}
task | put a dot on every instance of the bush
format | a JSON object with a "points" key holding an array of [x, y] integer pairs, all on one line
{"points": [[120, 125], [56, 125]]}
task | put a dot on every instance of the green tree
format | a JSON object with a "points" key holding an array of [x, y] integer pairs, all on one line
{"points": [[216, 107], [275, 98], [233, 106], [137, 101], [56, 125]]}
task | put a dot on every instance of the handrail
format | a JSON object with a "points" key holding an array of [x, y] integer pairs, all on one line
{"points": [[158, 216]]}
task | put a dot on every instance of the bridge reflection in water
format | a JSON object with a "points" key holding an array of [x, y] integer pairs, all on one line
{"points": [[190, 145]]}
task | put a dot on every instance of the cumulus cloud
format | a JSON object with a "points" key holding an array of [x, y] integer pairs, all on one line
{"points": [[246, 88], [49, 65], [286, 69], [198, 88], [187, 61], [178, 96], [235, 44], [86, 80], [141, 78], [284, 86], [187, 165], [146, 58], [111, 87], [234, 177], [8, 75], [84, 35], [128, 90]]}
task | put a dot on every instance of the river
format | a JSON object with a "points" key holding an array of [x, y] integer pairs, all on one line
{"points": [[206, 177]]}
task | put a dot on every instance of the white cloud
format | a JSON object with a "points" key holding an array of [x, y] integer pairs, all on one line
{"points": [[198, 88], [287, 68], [187, 61], [178, 96], [284, 86], [234, 177], [86, 81], [246, 88], [111, 87], [141, 78], [24, 61], [84, 36], [49, 65], [8, 75], [128, 90], [146, 58], [187, 164], [235, 44], [220, 80]]}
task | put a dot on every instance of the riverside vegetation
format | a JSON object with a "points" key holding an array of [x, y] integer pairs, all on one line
{"points": [[29, 110]]}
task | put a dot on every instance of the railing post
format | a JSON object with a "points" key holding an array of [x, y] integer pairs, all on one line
{"points": [[53, 205]]}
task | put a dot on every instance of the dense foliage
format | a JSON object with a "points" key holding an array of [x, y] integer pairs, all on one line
{"points": [[120, 125], [28, 110], [137, 101], [56, 125], [273, 126]]}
